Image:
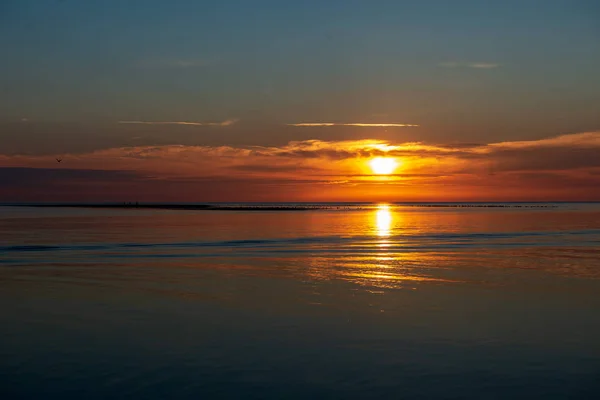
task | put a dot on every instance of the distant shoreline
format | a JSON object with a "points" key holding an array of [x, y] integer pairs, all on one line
{"points": [[283, 207]]}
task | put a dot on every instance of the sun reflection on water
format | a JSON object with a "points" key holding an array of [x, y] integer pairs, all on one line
{"points": [[383, 220]]}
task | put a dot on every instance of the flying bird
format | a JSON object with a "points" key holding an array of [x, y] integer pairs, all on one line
{"points": [[59, 159]]}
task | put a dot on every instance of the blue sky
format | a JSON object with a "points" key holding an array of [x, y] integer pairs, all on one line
{"points": [[461, 70]]}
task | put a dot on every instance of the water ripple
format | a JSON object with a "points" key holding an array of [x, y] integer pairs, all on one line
{"points": [[347, 245]]}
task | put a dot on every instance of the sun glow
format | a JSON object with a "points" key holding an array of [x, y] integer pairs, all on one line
{"points": [[383, 165]]}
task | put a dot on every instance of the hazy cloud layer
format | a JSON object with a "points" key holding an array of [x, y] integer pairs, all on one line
{"points": [[15, 176]]}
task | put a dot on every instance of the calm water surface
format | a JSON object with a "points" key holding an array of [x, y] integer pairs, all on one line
{"points": [[384, 301]]}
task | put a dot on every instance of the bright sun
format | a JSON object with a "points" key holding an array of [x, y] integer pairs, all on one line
{"points": [[383, 165]]}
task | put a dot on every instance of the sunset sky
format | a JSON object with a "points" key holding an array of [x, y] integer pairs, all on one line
{"points": [[185, 100]]}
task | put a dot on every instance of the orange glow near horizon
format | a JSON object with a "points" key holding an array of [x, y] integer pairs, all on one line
{"points": [[366, 170]]}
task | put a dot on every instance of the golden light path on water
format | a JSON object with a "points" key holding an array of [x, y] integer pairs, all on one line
{"points": [[383, 220], [388, 267]]}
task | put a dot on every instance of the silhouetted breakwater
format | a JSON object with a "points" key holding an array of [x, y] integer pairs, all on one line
{"points": [[481, 205], [283, 207]]}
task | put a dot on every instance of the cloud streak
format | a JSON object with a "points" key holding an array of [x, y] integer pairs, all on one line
{"points": [[222, 123], [477, 65], [483, 65], [316, 124]]}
